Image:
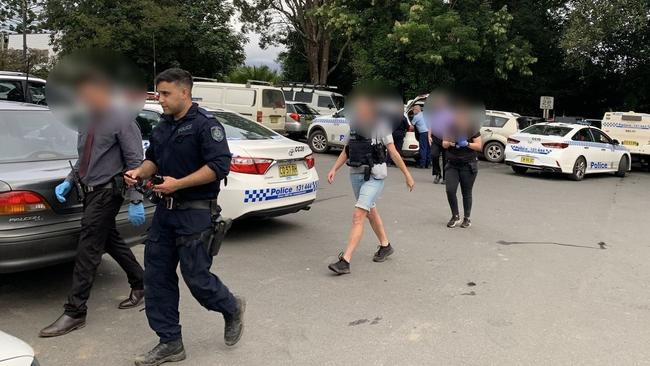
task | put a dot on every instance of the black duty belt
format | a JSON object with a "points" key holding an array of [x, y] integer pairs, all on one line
{"points": [[171, 203], [88, 189]]}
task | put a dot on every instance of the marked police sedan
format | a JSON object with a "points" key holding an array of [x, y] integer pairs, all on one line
{"points": [[270, 175], [571, 149]]}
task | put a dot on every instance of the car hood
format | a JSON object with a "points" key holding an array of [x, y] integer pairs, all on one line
{"points": [[12, 347], [19, 174]]}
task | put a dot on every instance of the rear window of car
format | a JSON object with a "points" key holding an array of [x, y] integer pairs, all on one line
{"points": [[304, 97], [240, 128], [304, 109], [546, 130], [272, 98], [35, 136]]}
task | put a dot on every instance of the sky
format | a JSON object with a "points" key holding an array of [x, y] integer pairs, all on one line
{"points": [[257, 56]]}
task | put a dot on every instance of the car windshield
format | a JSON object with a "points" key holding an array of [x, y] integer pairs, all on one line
{"points": [[304, 109], [240, 128], [547, 130], [35, 136], [339, 101]]}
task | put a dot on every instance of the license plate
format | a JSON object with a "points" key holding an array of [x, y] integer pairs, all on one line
{"points": [[274, 119], [630, 143], [288, 170], [527, 160]]}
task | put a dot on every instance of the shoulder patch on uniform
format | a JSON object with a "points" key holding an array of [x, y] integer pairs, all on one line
{"points": [[205, 113], [217, 133]]}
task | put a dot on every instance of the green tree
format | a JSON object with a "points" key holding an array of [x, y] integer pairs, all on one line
{"points": [[261, 73], [193, 34], [22, 16]]}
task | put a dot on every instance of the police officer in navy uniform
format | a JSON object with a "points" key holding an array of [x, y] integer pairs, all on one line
{"points": [[189, 150]]}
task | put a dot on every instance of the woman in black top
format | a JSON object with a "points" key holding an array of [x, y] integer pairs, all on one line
{"points": [[462, 168]]}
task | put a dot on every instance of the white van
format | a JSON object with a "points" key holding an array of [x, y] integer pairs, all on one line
{"points": [[256, 100], [632, 130], [325, 101]]}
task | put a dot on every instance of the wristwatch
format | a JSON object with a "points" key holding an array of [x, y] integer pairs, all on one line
{"points": [[136, 202]]}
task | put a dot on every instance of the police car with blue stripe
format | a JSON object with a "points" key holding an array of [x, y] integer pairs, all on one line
{"points": [[270, 175], [572, 149]]}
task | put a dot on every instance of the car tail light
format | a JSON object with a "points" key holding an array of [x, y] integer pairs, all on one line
{"points": [[513, 141], [21, 202], [309, 159], [555, 145], [295, 116], [413, 146], [259, 116], [250, 165]]}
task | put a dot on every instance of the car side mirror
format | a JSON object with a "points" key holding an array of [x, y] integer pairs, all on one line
{"points": [[330, 106], [615, 142]]}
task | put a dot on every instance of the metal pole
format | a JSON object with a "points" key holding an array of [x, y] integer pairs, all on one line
{"points": [[24, 14], [154, 61]]}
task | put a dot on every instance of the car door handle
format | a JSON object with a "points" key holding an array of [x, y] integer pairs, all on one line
{"points": [[488, 130], [603, 149], [586, 147]]}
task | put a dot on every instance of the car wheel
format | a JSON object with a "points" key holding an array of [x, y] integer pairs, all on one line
{"points": [[519, 169], [622, 167], [494, 152], [318, 142], [579, 169]]}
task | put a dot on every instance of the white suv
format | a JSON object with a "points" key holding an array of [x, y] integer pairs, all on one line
{"points": [[495, 130], [18, 87]]}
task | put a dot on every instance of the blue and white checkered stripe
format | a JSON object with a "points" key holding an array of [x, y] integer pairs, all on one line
{"points": [[639, 126], [256, 195]]}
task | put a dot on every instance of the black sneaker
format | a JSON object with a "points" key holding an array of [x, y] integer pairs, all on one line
{"points": [[163, 352], [383, 253], [235, 326], [436, 180], [454, 221], [340, 267], [466, 223]]}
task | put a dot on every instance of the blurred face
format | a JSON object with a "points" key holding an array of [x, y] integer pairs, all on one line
{"points": [[94, 95], [417, 109], [174, 97]]}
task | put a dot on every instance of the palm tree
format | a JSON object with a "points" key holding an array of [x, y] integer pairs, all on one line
{"points": [[262, 73]]}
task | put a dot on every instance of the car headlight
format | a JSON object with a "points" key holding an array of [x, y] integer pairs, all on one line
{"points": [[35, 362]]}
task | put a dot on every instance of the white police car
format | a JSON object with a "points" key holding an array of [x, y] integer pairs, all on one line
{"points": [[270, 175], [572, 149], [330, 131], [14, 352]]}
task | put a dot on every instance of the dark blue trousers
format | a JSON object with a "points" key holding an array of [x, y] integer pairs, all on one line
{"points": [[161, 258], [425, 150]]}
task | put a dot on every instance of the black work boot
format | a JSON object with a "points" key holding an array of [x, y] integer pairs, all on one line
{"points": [[164, 352], [466, 223], [383, 253], [454, 221], [235, 325], [340, 267]]}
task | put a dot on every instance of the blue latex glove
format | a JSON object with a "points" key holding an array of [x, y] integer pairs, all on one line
{"points": [[136, 214], [62, 190], [462, 143]]}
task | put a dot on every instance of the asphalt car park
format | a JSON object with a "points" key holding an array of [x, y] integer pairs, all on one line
{"points": [[552, 272]]}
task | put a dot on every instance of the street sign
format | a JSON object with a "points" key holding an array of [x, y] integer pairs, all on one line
{"points": [[546, 103]]}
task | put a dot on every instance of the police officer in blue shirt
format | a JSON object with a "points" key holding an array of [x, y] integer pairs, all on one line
{"points": [[189, 150]]}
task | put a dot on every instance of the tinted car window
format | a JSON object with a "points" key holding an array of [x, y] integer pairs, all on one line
{"points": [[288, 95], [37, 91], [546, 130], [600, 137], [240, 128], [499, 121], [324, 101], [35, 136], [583, 135], [272, 98], [305, 109], [291, 108], [147, 120], [11, 90], [304, 97], [339, 101]]}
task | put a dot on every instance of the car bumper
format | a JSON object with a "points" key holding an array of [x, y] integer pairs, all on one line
{"points": [[550, 162], [36, 247], [295, 127], [251, 195], [278, 211]]}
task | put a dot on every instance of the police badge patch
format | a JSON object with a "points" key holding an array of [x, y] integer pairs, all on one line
{"points": [[217, 133]]}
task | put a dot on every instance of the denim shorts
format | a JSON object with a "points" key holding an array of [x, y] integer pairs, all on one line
{"points": [[366, 192]]}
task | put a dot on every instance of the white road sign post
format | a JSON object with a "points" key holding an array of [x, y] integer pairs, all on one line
{"points": [[546, 104]]}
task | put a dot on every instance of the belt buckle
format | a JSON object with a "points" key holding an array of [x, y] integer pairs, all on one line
{"points": [[169, 203]]}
